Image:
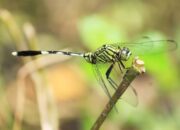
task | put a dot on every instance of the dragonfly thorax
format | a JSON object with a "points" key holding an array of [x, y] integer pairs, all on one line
{"points": [[108, 54]]}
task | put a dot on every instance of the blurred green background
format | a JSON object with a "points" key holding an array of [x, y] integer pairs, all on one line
{"points": [[61, 93]]}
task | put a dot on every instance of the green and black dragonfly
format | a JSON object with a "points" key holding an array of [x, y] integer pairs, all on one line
{"points": [[110, 54]]}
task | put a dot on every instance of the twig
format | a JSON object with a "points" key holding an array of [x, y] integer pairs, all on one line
{"points": [[47, 107], [23, 72], [131, 73], [18, 39]]}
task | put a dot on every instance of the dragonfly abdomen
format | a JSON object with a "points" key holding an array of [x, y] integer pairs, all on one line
{"points": [[34, 53]]}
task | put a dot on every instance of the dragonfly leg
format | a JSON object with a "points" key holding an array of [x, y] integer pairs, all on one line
{"points": [[110, 80], [121, 66]]}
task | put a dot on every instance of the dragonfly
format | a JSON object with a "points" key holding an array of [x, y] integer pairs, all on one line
{"points": [[111, 54]]}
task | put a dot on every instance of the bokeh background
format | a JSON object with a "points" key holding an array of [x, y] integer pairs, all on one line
{"points": [[61, 93]]}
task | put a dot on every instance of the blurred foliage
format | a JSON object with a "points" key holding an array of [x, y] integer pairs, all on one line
{"points": [[84, 26], [96, 31]]}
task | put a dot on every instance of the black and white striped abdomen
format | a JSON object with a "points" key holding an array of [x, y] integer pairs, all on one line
{"points": [[39, 52]]}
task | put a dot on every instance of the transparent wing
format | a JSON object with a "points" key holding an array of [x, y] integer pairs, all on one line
{"points": [[100, 79], [151, 46], [130, 96]]}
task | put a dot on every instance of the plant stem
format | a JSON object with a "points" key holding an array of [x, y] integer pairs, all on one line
{"points": [[130, 74]]}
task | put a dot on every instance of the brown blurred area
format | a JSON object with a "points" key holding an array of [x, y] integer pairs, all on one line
{"points": [[60, 17]]}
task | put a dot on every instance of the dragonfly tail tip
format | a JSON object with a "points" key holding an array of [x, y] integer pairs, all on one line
{"points": [[14, 53]]}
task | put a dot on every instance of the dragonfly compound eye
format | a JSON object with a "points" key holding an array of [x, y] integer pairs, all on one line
{"points": [[125, 53]]}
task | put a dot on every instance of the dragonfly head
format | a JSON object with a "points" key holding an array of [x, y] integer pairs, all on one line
{"points": [[124, 54]]}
